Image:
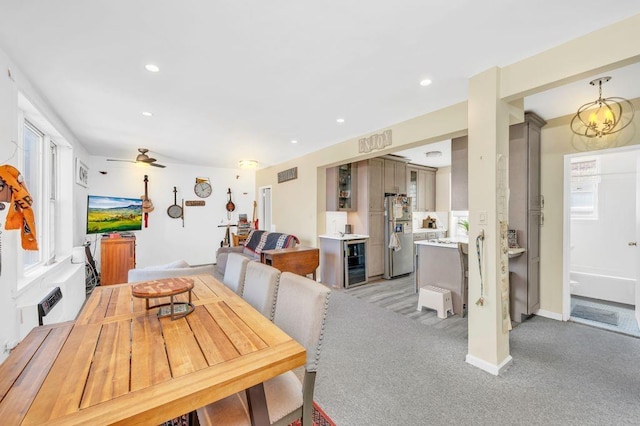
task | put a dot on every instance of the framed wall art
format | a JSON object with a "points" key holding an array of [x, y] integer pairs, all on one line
{"points": [[82, 173]]}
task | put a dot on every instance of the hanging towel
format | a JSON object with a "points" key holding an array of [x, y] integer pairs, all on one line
{"points": [[20, 214], [394, 242]]}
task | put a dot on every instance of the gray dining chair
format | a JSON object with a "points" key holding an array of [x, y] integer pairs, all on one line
{"points": [[235, 272], [301, 311], [261, 287]]}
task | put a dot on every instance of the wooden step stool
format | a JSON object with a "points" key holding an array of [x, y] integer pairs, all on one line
{"points": [[435, 298]]}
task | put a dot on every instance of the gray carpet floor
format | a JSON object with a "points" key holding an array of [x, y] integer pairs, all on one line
{"points": [[379, 367]]}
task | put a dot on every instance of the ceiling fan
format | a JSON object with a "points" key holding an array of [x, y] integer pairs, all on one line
{"points": [[141, 158]]}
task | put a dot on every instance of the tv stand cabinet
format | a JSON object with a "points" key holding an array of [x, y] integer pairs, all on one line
{"points": [[117, 256]]}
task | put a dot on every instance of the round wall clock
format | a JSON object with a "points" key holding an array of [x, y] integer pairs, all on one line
{"points": [[203, 188]]}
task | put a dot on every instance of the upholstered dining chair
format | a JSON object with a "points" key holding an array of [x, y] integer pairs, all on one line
{"points": [[235, 272], [301, 311], [261, 287]]}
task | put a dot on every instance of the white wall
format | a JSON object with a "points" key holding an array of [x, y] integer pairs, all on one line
{"points": [[165, 239], [13, 328]]}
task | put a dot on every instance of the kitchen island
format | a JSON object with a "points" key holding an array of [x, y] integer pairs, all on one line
{"points": [[443, 263]]}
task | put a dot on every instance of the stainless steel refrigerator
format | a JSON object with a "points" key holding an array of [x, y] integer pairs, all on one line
{"points": [[398, 236]]}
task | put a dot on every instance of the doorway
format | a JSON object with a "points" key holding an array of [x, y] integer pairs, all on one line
{"points": [[264, 208], [600, 251]]}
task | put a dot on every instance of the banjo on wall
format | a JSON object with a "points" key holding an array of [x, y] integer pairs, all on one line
{"points": [[175, 211]]}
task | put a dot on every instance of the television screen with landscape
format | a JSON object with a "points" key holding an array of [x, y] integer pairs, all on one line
{"points": [[113, 214]]}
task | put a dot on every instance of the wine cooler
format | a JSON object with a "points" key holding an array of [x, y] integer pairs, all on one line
{"points": [[355, 263]]}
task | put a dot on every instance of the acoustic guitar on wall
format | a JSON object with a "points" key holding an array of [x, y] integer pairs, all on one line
{"points": [[254, 219], [147, 205]]}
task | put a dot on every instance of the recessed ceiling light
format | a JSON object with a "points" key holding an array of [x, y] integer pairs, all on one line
{"points": [[152, 68], [425, 82], [147, 114], [294, 141], [433, 154], [340, 120]]}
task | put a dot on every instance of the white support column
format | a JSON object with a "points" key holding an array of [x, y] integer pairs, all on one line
{"points": [[488, 207]]}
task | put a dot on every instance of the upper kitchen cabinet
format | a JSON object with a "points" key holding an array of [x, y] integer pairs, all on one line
{"points": [[460, 173], [342, 188], [421, 187], [395, 176]]}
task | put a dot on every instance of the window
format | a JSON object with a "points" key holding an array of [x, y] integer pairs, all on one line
{"points": [[40, 175], [585, 177]]}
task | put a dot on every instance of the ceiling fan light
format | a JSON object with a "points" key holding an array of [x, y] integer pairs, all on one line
{"points": [[248, 164]]}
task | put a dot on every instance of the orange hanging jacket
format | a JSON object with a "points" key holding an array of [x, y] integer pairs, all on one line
{"points": [[20, 214]]}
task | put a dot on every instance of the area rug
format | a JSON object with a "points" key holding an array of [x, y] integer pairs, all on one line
{"points": [[319, 418], [595, 314]]}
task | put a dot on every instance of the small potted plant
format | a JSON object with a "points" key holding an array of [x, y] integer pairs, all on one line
{"points": [[464, 225]]}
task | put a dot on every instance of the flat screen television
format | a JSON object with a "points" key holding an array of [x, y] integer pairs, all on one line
{"points": [[113, 214]]}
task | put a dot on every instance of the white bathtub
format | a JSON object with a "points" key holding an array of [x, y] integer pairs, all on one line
{"points": [[605, 287]]}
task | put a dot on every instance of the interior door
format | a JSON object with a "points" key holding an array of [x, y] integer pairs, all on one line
{"points": [[265, 209], [637, 238]]}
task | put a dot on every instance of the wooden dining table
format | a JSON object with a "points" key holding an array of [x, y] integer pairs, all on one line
{"points": [[119, 363]]}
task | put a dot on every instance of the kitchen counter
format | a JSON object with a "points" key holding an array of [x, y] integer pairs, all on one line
{"points": [[419, 230], [515, 252], [452, 243], [444, 244], [344, 237]]}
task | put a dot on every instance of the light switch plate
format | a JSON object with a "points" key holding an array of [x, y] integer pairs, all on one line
{"points": [[482, 218]]}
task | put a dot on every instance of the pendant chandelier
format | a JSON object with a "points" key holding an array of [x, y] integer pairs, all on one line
{"points": [[604, 116]]}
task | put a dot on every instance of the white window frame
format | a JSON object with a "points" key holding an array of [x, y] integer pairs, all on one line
{"points": [[585, 182], [45, 196], [59, 210]]}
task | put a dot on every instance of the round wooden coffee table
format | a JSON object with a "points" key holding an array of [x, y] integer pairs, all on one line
{"points": [[166, 287]]}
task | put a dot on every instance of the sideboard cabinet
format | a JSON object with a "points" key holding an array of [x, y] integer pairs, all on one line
{"points": [[117, 256]]}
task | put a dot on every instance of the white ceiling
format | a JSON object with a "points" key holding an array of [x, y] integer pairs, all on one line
{"points": [[242, 79]]}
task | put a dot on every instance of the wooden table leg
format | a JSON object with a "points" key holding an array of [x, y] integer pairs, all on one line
{"points": [[258, 411]]}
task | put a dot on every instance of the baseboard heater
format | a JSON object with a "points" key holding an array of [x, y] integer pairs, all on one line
{"points": [[46, 304]]}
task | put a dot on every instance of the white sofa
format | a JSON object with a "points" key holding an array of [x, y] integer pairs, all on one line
{"points": [[179, 268]]}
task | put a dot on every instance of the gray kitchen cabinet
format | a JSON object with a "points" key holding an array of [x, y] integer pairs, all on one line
{"points": [[395, 176], [342, 188], [421, 187], [460, 173], [375, 265], [374, 184], [343, 262], [371, 194], [525, 215], [429, 191]]}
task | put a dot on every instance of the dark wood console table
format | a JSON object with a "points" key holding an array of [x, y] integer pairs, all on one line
{"points": [[299, 260]]}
